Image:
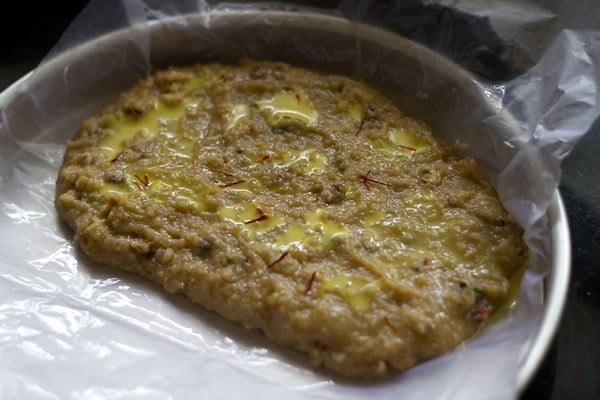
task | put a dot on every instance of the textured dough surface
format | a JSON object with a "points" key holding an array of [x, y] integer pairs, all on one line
{"points": [[302, 204]]}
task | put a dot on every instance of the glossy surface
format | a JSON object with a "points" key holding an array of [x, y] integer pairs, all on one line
{"points": [[284, 105]]}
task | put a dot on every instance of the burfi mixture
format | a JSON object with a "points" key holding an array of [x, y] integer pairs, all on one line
{"points": [[301, 204]]}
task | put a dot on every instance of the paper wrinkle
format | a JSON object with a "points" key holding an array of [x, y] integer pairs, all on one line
{"points": [[72, 329]]}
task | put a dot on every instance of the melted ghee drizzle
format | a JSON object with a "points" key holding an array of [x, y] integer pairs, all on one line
{"points": [[237, 114], [510, 303], [401, 142], [356, 111], [199, 82], [310, 161], [317, 233], [108, 187], [283, 105], [356, 291], [158, 188], [241, 213], [373, 224], [149, 124]]}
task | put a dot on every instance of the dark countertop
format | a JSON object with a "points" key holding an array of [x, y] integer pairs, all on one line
{"points": [[568, 371]]}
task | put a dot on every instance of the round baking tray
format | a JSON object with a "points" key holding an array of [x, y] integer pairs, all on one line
{"points": [[311, 39]]}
